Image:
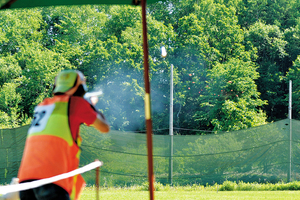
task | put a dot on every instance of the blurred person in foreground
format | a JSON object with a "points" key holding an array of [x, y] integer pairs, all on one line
{"points": [[53, 142]]}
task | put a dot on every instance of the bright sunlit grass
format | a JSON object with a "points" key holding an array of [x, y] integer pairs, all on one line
{"points": [[187, 193], [126, 194]]}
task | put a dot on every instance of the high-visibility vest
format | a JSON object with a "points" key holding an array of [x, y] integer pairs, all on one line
{"points": [[50, 149]]}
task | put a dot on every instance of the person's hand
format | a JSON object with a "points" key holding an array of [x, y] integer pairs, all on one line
{"points": [[92, 97], [94, 100]]}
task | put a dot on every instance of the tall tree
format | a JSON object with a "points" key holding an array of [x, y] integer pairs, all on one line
{"points": [[271, 51], [293, 75], [232, 97], [283, 13], [205, 39]]}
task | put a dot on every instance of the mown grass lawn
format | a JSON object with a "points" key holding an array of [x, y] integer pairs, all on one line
{"points": [[123, 194]]}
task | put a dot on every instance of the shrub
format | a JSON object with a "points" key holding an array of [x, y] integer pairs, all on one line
{"points": [[228, 186]]}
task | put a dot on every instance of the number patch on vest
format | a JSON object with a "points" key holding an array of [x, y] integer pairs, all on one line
{"points": [[40, 118]]}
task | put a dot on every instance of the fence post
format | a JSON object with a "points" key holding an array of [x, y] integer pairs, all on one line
{"points": [[171, 127], [291, 135]]}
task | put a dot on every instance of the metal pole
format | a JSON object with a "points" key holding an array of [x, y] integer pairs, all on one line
{"points": [[171, 101], [171, 127], [97, 183], [290, 99], [147, 103], [290, 118]]}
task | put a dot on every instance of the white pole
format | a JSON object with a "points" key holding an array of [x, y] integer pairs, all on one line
{"points": [[290, 118], [171, 126], [164, 54], [171, 101], [290, 99]]}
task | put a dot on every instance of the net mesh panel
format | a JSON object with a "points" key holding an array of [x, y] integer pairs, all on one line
{"points": [[12, 143], [260, 154]]}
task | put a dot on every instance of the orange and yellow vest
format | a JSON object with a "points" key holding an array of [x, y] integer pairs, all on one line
{"points": [[50, 149]]}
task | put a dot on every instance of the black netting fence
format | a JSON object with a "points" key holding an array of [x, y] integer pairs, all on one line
{"points": [[260, 154]]}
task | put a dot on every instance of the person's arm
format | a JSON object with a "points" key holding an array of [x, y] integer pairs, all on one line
{"points": [[83, 112], [101, 124]]}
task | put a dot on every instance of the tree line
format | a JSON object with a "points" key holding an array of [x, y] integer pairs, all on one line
{"points": [[232, 61]]}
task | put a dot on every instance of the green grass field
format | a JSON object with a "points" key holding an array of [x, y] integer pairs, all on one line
{"points": [[124, 194], [227, 190]]}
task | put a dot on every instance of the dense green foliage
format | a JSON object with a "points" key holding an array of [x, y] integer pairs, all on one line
{"points": [[232, 61]]}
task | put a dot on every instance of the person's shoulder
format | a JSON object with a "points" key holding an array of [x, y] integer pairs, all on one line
{"points": [[54, 99], [79, 100], [80, 106], [76, 98]]}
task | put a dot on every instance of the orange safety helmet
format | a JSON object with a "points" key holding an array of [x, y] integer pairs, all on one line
{"points": [[68, 81]]}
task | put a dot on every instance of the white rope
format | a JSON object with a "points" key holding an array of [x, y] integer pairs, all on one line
{"points": [[29, 185]]}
